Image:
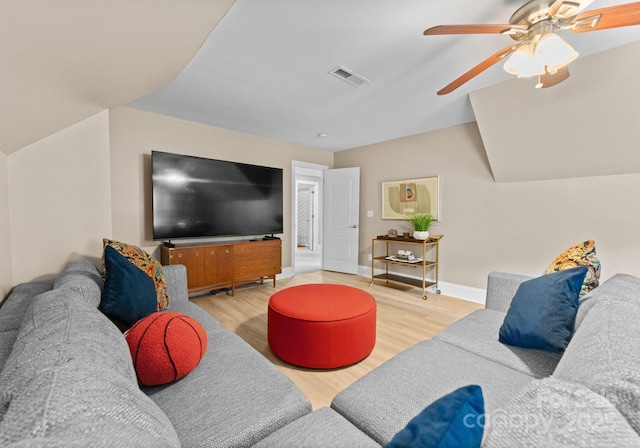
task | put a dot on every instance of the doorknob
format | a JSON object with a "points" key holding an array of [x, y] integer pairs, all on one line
{"points": [[355, 226]]}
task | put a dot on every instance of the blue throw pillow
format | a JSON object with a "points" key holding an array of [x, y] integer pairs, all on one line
{"points": [[455, 420], [543, 311], [129, 293]]}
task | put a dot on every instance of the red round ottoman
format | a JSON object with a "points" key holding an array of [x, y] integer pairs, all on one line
{"points": [[322, 326]]}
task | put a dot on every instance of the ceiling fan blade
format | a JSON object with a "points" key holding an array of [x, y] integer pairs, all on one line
{"points": [[475, 71], [472, 29], [606, 18], [563, 9], [550, 80]]}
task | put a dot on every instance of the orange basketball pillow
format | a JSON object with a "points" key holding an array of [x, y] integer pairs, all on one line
{"points": [[165, 347]]}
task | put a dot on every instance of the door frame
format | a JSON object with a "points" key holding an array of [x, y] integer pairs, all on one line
{"points": [[299, 168]]}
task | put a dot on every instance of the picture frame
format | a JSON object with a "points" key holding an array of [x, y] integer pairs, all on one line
{"points": [[403, 198]]}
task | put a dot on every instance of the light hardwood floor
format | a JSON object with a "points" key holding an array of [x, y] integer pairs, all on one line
{"points": [[403, 319]]}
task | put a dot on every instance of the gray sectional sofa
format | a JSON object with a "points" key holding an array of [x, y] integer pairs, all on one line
{"points": [[589, 396], [66, 378]]}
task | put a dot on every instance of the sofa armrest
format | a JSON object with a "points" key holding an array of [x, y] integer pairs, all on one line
{"points": [[176, 277], [501, 287]]}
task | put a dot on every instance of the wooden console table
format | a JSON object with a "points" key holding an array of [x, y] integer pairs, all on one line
{"points": [[424, 265], [226, 264]]}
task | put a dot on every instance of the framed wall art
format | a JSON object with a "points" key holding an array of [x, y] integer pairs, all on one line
{"points": [[403, 198]]}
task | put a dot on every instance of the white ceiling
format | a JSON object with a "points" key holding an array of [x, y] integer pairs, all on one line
{"points": [[263, 69]]}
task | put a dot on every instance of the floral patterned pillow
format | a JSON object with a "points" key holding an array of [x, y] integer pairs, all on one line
{"points": [[144, 261], [583, 254]]}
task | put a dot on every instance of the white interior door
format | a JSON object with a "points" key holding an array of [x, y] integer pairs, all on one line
{"points": [[341, 224]]}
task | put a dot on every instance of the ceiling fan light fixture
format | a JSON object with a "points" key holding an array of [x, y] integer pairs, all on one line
{"points": [[547, 55], [555, 52], [523, 63]]}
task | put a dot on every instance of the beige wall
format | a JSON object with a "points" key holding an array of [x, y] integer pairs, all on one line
{"points": [[5, 230], [517, 227], [134, 134], [59, 199], [60, 196]]}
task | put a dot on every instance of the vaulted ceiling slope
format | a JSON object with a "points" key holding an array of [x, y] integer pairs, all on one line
{"points": [[65, 60], [585, 126], [264, 69]]}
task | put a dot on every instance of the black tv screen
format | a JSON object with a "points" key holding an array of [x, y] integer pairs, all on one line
{"points": [[197, 197]]}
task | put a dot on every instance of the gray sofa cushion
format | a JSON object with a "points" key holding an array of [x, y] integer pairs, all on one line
{"points": [[176, 277], [81, 272], [553, 413], [321, 429], [12, 313], [604, 353], [383, 401], [234, 397], [478, 333], [501, 287], [213, 325], [620, 285], [70, 377]]}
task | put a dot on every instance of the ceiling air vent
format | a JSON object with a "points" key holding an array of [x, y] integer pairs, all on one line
{"points": [[348, 76]]}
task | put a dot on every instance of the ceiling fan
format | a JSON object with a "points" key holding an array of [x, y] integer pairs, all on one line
{"points": [[538, 50]]}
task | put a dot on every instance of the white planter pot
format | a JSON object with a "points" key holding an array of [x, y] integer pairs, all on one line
{"points": [[421, 235]]}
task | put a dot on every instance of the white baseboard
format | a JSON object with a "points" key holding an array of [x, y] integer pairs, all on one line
{"points": [[468, 293], [286, 273]]}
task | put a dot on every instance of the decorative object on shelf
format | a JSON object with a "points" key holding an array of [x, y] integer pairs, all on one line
{"points": [[392, 233], [421, 234], [403, 198], [405, 255], [404, 260], [420, 223]]}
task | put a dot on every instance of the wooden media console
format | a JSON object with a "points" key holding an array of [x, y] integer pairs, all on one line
{"points": [[226, 264]]}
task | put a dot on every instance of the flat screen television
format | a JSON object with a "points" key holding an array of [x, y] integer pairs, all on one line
{"points": [[195, 197]]}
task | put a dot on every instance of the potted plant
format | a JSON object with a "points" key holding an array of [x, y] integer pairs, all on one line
{"points": [[420, 223]]}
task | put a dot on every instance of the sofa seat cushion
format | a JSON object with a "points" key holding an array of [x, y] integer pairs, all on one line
{"points": [[478, 333], [70, 378], [604, 354], [320, 429], [554, 413], [383, 401], [449, 422], [234, 397], [74, 404]]}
